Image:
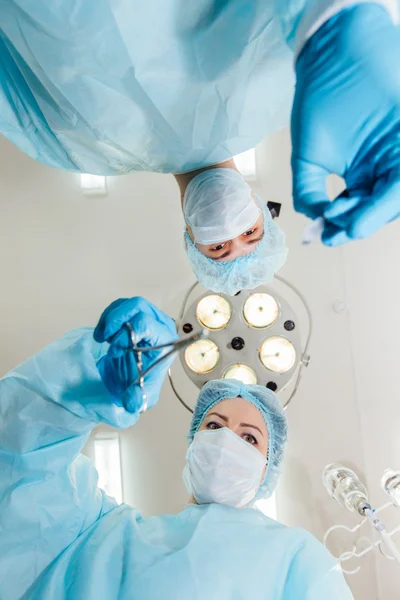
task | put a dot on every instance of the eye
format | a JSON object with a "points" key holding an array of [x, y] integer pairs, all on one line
{"points": [[213, 425], [218, 247], [249, 232], [250, 439]]}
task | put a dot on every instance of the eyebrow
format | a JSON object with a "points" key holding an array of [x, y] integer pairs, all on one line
{"points": [[252, 426], [255, 240], [219, 415], [249, 243], [241, 424], [222, 255]]}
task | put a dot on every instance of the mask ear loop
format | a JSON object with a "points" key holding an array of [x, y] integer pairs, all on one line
{"points": [[269, 449]]}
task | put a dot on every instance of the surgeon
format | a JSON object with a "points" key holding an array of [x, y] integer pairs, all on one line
{"points": [[108, 88], [63, 537], [231, 239]]}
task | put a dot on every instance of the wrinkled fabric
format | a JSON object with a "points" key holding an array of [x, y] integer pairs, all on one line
{"points": [[109, 87], [271, 410], [63, 538], [245, 272], [218, 205]]}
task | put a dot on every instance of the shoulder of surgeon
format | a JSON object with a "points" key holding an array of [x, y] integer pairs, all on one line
{"points": [[304, 546], [250, 517]]}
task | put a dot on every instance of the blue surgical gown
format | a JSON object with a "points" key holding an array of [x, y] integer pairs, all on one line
{"points": [[61, 537], [112, 86]]}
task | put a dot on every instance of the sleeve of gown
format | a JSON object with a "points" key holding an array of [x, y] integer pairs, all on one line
{"points": [[48, 491], [317, 574], [21, 118]]}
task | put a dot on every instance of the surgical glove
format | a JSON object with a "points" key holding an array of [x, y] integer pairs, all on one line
{"points": [[346, 120], [118, 368]]}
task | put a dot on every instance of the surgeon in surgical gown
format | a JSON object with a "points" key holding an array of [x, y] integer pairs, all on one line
{"points": [[110, 87], [63, 538]]}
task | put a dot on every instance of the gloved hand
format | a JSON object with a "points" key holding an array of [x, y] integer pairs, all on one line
{"points": [[346, 120], [118, 368]]}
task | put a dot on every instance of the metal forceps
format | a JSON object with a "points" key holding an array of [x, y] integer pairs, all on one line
{"points": [[176, 346]]}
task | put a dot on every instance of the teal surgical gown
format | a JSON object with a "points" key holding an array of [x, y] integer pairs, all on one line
{"points": [[61, 537], [112, 86]]}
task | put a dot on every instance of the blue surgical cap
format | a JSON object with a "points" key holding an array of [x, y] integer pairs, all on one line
{"points": [[245, 272], [270, 408]]}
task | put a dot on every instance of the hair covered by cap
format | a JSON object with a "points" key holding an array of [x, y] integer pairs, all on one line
{"points": [[219, 205], [271, 410]]}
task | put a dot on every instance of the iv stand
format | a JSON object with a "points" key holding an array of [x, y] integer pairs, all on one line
{"points": [[386, 545]]}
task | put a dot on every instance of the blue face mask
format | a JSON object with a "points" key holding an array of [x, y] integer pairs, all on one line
{"points": [[245, 272], [218, 205]]}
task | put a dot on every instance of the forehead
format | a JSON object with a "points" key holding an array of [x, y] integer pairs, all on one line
{"points": [[239, 411]]}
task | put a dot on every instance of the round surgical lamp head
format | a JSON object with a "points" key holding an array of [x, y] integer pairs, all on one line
{"points": [[202, 356], [260, 310], [242, 373], [345, 486], [248, 338], [213, 312], [277, 354]]}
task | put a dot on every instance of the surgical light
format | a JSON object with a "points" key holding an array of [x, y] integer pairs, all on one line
{"points": [[277, 354], [253, 337], [243, 373], [213, 312], [260, 310], [202, 356]]}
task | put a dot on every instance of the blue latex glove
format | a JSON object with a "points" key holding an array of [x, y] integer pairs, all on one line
{"points": [[118, 368], [346, 120]]}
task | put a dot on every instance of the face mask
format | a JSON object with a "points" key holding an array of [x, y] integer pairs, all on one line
{"points": [[218, 206], [222, 468]]}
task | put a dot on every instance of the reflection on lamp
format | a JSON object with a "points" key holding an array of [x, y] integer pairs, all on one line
{"points": [[242, 373], [213, 312], [260, 310], [277, 354], [202, 356]]}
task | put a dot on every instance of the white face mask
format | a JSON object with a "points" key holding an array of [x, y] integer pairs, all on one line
{"points": [[222, 468], [218, 206]]}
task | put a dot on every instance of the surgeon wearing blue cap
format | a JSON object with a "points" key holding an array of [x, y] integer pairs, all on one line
{"points": [[63, 537]]}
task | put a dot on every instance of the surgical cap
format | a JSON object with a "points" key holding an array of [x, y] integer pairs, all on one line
{"points": [[219, 205], [245, 272], [270, 408]]}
